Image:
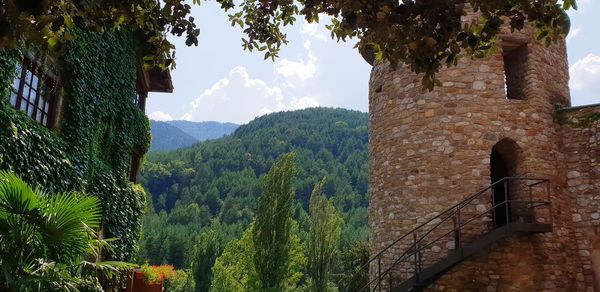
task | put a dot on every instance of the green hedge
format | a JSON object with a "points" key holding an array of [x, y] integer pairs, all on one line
{"points": [[99, 128]]}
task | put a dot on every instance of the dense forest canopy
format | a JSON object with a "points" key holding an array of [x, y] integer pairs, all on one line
{"points": [[211, 189], [424, 34]]}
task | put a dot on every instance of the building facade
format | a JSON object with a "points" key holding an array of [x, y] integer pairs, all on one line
{"points": [[77, 124], [436, 220]]}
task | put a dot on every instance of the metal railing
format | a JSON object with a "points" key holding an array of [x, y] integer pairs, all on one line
{"points": [[457, 226]]}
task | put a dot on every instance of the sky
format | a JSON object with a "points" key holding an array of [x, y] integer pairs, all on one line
{"points": [[219, 81]]}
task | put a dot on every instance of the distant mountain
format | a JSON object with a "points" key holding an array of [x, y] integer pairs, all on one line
{"points": [[173, 135], [167, 137], [203, 131]]}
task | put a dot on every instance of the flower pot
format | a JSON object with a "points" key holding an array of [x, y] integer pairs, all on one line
{"points": [[138, 284], [155, 287], [138, 275]]}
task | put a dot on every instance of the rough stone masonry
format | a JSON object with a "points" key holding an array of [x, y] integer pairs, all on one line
{"points": [[430, 150]]}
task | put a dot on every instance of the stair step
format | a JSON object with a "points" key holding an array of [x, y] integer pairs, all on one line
{"points": [[433, 272], [468, 226]]}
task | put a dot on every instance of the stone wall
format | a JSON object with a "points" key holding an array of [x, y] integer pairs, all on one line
{"points": [[581, 136], [430, 150]]}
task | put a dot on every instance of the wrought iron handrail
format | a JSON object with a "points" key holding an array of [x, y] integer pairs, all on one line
{"points": [[414, 251]]}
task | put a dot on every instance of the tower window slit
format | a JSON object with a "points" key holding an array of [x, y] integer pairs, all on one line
{"points": [[515, 69]]}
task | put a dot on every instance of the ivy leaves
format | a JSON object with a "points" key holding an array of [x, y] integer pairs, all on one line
{"points": [[48, 24], [100, 126], [104, 122]]}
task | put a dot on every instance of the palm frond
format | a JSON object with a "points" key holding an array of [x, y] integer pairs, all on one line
{"points": [[43, 239], [67, 219], [45, 276], [110, 270], [97, 245], [19, 213], [16, 197]]}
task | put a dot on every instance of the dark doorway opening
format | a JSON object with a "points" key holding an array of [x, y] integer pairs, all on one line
{"points": [[501, 193]]}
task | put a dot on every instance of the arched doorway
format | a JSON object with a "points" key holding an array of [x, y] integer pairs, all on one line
{"points": [[503, 162]]}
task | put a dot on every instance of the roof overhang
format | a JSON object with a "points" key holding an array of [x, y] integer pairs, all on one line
{"points": [[160, 80], [157, 80]]}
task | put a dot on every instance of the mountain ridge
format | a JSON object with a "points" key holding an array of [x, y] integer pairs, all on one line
{"points": [[176, 134]]}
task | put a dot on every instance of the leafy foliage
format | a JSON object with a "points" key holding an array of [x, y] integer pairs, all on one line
{"points": [[271, 232], [204, 196], [49, 24], [235, 270], [215, 184], [208, 247], [44, 239], [424, 34], [582, 120], [157, 274], [323, 239], [182, 282], [353, 276], [100, 127], [34, 224]]}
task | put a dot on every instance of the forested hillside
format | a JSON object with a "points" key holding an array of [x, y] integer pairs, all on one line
{"points": [[206, 195]]}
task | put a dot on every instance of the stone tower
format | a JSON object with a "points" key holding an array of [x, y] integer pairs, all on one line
{"points": [[491, 118]]}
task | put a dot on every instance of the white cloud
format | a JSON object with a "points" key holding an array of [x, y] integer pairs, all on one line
{"points": [[237, 98], [300, 70], [585, 73], [160, 116], [585, 77], [303, 102], [573, 33], [295, 84], [187, 117], [240, 98], [313, 29], [305, 68]]}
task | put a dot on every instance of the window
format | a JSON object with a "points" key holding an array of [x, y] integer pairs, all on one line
{"points": [[30, 94], [515, 65]]}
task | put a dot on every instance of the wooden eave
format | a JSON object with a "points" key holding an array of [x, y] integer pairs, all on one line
{"points": [[156, 80], [159, 80]]}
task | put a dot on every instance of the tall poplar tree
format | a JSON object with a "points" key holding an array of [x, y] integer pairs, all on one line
{"points": [[323, 238], [271, 232], [209, 246]]}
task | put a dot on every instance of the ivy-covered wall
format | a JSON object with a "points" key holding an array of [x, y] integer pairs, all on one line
{"points": [[99, 128]]}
